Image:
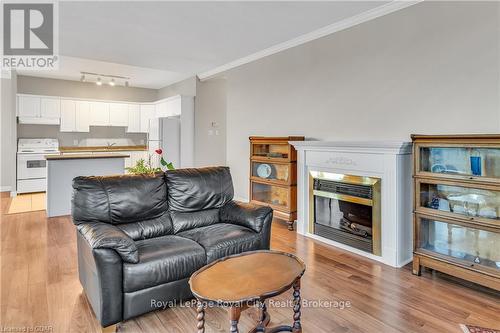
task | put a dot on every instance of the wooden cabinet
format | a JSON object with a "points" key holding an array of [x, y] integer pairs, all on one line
{"points": [[457, 206], [118, 114], [273, 175]]}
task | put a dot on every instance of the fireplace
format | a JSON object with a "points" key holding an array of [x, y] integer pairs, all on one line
{"points": [[346, 209]]}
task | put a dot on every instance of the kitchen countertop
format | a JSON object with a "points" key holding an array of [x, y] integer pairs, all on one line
{"points": [[84, 156], [70, 149]]}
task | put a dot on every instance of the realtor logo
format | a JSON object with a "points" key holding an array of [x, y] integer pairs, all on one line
{"points": [[29, 35]]}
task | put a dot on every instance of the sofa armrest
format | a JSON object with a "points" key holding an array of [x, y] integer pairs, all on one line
{"points": [[101, 275], [106, 236], [248, 215]]}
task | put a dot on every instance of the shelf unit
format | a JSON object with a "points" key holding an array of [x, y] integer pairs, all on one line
{"points": [[457, 206], [273, 175]]}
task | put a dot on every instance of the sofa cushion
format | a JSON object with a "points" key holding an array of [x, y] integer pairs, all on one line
{"points": [[119, 199], [223, 239], [189, 220], [197, 189], [161, 260], [159, 226]]}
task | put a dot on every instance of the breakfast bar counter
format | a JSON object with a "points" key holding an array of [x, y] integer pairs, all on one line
{"points": [[61, 169]]}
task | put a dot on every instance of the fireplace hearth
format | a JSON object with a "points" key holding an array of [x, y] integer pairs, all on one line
{"points": [[347, 209]]}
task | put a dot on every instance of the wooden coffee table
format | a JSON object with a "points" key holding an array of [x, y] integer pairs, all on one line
{"points": [[245, 280]]}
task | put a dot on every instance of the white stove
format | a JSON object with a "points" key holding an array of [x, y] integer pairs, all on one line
{"points": [[31, 163]]}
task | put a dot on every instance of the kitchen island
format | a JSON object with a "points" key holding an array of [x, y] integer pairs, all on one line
{"points": [[61, 169]]}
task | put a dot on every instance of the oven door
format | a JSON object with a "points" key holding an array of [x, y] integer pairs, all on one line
{"points": [[31, 166]]}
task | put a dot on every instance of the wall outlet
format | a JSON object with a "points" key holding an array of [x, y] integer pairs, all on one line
{"points": [[210, 132]]}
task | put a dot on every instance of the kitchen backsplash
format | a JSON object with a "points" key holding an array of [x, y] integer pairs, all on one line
{"points": [[98, 136]]}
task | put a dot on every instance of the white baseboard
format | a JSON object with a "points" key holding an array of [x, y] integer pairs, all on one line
{"points": [[5, 188]]}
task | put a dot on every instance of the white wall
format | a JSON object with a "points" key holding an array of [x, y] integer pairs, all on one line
{"points": [[430, 68], [210, 123], [186, 87], [8, 133]]}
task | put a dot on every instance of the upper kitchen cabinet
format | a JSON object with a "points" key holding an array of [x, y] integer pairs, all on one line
{"points": [[99, 114], [38, 110], [118, 114], [147, 112], [169, 107], [68, 116], [75, 116], [50, 108], [28, 106], [134, 118], [82, 118]]}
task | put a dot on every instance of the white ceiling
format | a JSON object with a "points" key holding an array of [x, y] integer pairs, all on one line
{"points": [[159, 43]]}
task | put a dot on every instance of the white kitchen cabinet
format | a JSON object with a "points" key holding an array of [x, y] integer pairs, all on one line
{"points": [[99, 114], [68, 116], [118, 114], [147, 113], [50, 107], [154, 129], [75, 116], [162, 110], [175, 106], [82, 111], [134, 118], [29, 106]]}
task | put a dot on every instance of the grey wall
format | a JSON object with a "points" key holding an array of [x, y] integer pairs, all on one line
{"points": [[8, 133], [66, 88], [210, 123], [430, 68], [186, 87]]}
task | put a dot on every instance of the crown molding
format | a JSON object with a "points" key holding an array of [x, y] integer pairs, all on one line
{"points": [[322, 32]]}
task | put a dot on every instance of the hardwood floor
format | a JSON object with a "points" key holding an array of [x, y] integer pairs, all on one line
{"points": [[40, 287]]}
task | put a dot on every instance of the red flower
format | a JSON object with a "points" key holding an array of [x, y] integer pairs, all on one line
{"points": [[159, 151]]}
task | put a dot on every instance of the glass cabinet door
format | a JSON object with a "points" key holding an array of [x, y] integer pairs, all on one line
{"points": [[471, 246], [462, 201], [270, 150], [460, 161], [270, 194], [272, 171]]}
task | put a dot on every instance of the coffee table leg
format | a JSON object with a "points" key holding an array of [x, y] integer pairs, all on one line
{"points": [[297, 328], [234, 316], [200, 310]]}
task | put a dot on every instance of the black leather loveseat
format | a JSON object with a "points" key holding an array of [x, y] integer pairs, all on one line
{"points": [[140, 237]]}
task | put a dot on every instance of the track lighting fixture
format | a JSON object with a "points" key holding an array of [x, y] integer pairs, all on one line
{"points": [[103, 78]]}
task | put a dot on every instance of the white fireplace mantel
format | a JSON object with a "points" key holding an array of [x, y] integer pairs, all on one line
{"points": [[388, 160]]}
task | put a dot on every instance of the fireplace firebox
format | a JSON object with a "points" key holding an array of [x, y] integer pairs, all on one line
{"points": [[346, 209]]}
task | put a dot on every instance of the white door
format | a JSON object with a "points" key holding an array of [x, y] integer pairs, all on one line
{"points": [[28, 106], [82, 122], [147, 113], [99, 114], [134, 118], [50, 107], [67, 116], [118, 114]]}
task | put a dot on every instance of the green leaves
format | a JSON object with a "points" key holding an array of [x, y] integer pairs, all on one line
{"points": [[141, 167], [169, 165]]}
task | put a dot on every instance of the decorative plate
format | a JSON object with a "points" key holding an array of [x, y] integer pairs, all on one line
{"points": [[264, 170]]}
